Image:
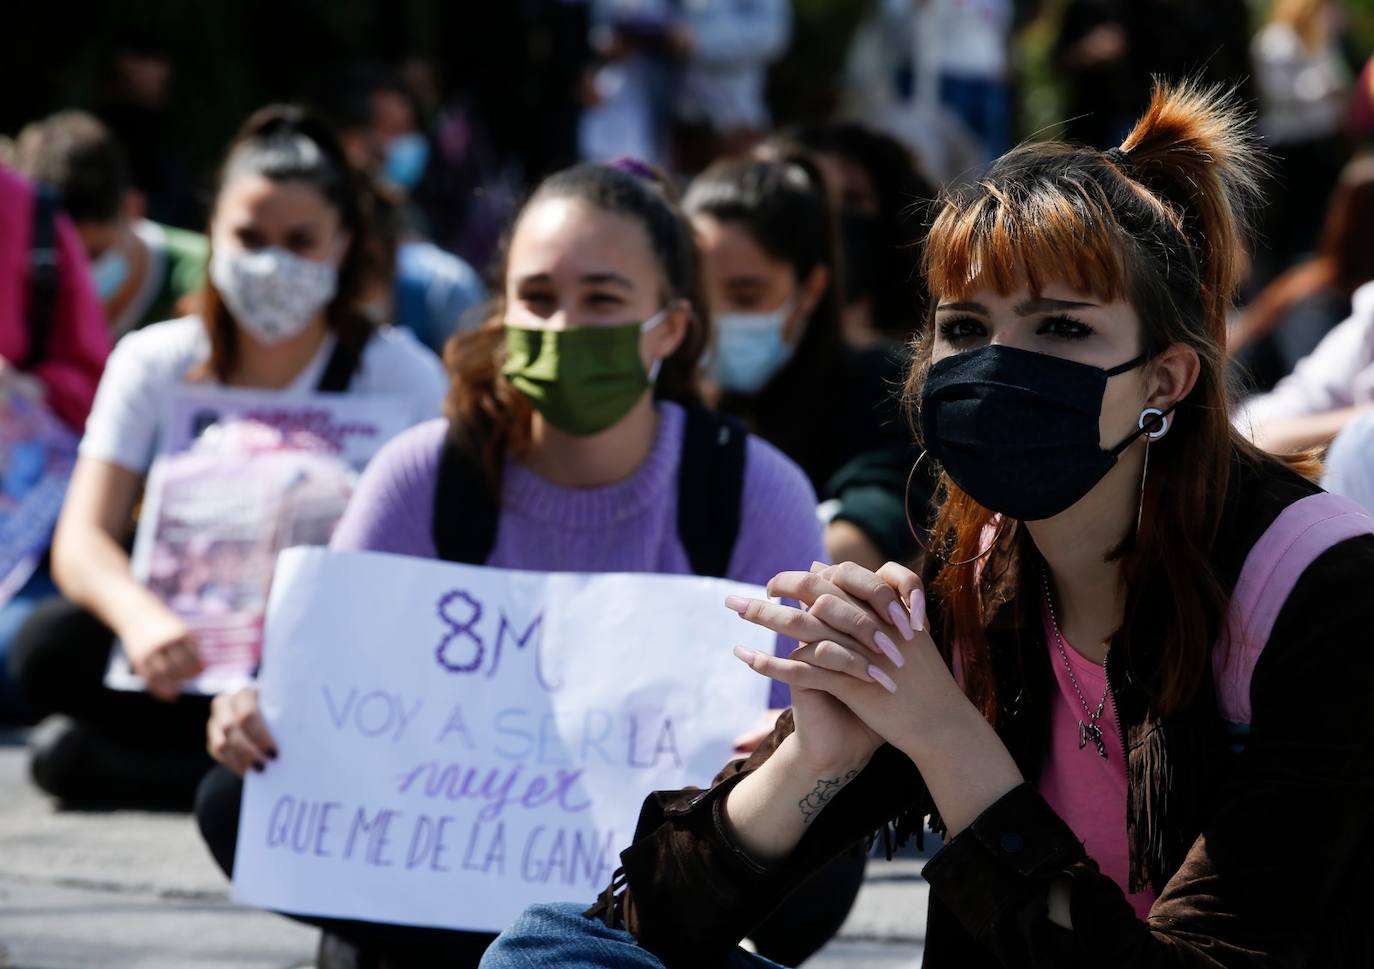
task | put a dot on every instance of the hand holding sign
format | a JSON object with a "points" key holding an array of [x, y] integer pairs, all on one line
{"points": [[236, 734], [471, 740]]}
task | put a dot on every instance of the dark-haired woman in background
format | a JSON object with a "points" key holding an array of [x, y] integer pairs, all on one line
{"points": [[279, 313], [881, 202], [767, 236]]}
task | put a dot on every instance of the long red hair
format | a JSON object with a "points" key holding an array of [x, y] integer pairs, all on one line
{"points": [[1158, 222]]}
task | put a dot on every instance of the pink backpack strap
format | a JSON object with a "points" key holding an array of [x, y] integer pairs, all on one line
{"points": [[1300, 534]]}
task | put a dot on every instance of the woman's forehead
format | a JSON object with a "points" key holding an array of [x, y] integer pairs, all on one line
{"points": [[567, 238]]}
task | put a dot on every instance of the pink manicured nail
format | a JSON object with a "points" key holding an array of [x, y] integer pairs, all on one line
{"points": [[900, 620], [918, 609], [889, 648], [747, 655], [882, 679], [737, 603]]}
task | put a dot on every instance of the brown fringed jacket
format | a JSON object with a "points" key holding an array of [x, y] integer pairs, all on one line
{"points": [[1262, 856]]}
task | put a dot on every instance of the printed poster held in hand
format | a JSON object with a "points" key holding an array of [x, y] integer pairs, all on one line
{"points": [[37, 454], [459, 742], [241, 475]]}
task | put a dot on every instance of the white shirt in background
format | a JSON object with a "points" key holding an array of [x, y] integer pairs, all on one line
{"points": [[1338, 373], [148, 365]]}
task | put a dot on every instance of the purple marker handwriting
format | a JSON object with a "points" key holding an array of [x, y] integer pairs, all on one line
{"points": [[463, 650]]}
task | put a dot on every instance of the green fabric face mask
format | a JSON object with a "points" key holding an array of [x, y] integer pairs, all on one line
{"points": [[582, 379]]}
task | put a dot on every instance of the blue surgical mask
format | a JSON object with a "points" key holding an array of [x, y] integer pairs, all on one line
{"points": [[109, 273], [750, 349], [406, 159]]}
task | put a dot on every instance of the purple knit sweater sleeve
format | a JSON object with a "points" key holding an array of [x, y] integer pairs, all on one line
{"points": [[392, 507], [779, 529]]}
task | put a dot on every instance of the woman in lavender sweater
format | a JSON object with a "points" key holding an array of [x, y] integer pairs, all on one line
{"points": [[571, 402]]}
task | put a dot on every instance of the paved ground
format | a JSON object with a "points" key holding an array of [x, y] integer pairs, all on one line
{"points": [[133, 890]]}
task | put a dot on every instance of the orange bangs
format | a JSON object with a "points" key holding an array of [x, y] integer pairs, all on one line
{"points": [[1044, 232]]}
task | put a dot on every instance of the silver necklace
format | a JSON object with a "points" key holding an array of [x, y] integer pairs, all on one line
{"points": [[1087, 730]]}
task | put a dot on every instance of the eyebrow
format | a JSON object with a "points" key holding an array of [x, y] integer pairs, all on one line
{"points": [[1043, 303], [587, 279], [1040, 304], [597, 279], [743, 280]]}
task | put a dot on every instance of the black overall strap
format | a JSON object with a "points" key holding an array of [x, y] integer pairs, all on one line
{"points": [[339, 371], [43, 275], [710, 489], [465, 509]]}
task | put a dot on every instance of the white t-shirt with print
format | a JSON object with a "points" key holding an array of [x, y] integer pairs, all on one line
{"points": [[148, 365]]}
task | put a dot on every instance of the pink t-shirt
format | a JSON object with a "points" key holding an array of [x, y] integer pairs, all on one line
{"points": [[1089, 793]]}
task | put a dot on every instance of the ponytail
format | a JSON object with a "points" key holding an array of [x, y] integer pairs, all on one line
{"points": [[1194, 152]]}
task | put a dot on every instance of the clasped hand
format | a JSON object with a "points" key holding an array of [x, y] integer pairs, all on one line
{"points": [[865, 643]]}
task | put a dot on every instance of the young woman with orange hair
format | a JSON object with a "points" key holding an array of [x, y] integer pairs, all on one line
{"points": [[1146, 647]]}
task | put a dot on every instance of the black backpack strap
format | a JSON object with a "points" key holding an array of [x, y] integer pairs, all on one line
{"points": [[343, 364], [710, 489], [43, 274], [465, 510]]}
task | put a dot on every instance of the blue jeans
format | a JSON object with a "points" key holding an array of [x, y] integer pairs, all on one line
{"points": [[559, 937]]}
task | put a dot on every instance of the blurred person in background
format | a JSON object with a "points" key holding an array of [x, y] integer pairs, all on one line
{"points": [[574, 441], [1304, 93], [135, 105], [1287, 320], [1091, 55], [1329, 388], [418, 286], [53, 344], [881, 202], [969, 43], [1107, 52], [771, 267], [278, 313], [725, 48], [629, 93], [144, 272], [890, 80], [879, 197]]}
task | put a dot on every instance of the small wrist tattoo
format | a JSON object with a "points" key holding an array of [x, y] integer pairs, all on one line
{"points": [[826, 789]]}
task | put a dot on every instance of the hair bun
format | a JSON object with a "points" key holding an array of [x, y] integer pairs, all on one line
{"points": [[1195, 150]]}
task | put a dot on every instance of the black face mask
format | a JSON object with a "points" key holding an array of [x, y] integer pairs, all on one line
{"points": [[1018, 431], [859, 238]]}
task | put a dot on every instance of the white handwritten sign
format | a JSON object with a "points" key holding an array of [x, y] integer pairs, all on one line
{"points": [[458, 742]]}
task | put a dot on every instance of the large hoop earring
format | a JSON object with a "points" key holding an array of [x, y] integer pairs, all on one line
{"points": [[906, 507], [1154, 424]]}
